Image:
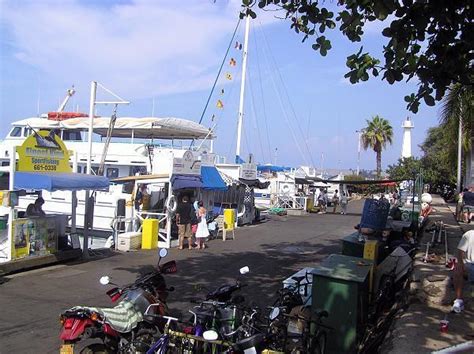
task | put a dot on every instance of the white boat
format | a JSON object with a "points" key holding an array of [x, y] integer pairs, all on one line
{"points": [[130, 153]]}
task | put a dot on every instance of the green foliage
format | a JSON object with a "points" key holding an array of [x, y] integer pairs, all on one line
{"points": [[406, 168], [432, 40], [376, 135], [437, 165]]}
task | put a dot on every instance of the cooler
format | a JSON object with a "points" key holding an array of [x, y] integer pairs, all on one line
{"points": [[129, 241]]}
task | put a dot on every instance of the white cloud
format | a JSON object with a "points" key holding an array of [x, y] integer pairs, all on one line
{"points": [[141, 48]]}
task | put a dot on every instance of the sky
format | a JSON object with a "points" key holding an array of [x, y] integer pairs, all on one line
{"points": [[163, 56]]}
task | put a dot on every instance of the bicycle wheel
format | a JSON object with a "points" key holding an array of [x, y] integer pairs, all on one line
{"points": [[318, 344]]}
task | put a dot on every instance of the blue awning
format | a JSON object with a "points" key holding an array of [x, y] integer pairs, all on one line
{"points": [[186, 181], [211, 179], [59, 181]]}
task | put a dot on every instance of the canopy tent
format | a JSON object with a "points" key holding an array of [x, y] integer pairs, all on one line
{"points": [[211, 179], [142, 128], [302, 181], [59, 181], [186, 181], [385, 182]]}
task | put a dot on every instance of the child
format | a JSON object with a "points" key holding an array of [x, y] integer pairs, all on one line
{"points": [[202, 230]]}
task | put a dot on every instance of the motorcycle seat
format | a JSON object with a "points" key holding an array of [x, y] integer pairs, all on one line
{"points": [[122, 318]]}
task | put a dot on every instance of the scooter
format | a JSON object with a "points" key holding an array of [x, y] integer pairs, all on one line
{"points": [[121, 328]]}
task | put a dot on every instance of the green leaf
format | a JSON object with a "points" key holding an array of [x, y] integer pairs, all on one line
{"points": [[429, 100]]}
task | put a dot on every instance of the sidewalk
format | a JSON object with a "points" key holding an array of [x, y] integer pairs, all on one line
{"points": [[417, 329]]}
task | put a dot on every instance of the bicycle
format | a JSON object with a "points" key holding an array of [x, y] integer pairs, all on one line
{"points": [[181, 342], [294, 327]]}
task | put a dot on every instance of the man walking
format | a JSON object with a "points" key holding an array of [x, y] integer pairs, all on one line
{"points": [[465, 266], [335, 201], [468, 201]]}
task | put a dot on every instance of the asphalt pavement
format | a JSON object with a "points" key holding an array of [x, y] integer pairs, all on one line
{"points": [[30, 302]]}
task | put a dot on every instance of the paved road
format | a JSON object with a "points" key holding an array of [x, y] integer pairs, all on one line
{"points": [[30, 302]]}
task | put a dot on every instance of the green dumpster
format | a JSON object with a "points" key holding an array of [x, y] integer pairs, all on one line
{"points": [[341, 287]]}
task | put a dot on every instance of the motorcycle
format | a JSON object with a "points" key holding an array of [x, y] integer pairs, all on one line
{"points": [[123, 327]]}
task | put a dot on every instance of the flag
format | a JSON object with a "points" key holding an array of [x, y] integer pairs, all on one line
{"points": [[219, 104], [232, 62], [222, 91], [228, 76]]}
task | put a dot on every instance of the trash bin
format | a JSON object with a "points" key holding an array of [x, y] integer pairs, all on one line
{"points": [[374, 214], [150, 234], [229, 219]]}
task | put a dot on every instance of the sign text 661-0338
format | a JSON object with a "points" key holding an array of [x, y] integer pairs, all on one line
{"points": [[44, 167]]}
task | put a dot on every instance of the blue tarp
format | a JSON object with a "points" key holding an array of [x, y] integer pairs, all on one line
{"points": [[186, 181], [59, 181], [272, 168], [211, 179]]}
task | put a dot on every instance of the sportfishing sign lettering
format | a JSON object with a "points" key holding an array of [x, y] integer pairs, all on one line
{"points": [[43, 151]]}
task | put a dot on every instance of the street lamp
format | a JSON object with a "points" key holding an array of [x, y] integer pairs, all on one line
{"points": [[358, 150]]}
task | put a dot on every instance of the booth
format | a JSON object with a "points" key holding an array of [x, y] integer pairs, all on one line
{"points": [[43, 164]]}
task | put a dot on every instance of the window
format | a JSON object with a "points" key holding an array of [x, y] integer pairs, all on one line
{"points": [[74, 135], [112, 172], [95, 171], [78, 169], [141, 170], [27, 132], [16, 132], [5, 163]]}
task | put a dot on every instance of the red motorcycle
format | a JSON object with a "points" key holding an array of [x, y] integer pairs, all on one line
{"points": [[125, 327]]}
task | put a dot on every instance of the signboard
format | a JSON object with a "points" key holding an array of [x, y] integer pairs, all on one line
{"points": [[248, 171], [31, 237], [187, 165], [208, 159], [43, 151]]}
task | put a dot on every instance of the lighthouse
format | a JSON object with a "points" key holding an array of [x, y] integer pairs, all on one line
{"points": [[407, 126]]}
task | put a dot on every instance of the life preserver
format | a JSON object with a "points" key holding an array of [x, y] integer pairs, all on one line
{"points": [[285, 189], [171, 204], [242, 213]]}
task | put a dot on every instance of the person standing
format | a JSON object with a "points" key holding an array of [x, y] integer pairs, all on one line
{"points": [[460, 205], [335, 201], [344, 203], [183, 219], [468, 204], [464, 266], [202, 230]]}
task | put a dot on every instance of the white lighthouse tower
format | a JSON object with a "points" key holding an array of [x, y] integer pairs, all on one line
{"points": [[407, 126]]}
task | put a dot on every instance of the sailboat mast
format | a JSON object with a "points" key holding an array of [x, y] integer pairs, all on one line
{"points": [[242, 90]]}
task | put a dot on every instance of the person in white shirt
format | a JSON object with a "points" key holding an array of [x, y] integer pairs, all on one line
{"points": [[465, 265]]}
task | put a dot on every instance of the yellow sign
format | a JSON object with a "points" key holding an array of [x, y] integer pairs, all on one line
{"points": [[43, 152]]}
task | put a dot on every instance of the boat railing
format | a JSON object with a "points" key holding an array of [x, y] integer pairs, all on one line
{"points": [[288, 201], [135, 223]]}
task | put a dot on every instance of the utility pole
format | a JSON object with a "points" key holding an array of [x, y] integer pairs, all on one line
{"points": [[458, 177], [358, 150]]}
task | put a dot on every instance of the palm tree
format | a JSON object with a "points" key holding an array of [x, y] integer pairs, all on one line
{"points": [[458, 107], [375, 136]]}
